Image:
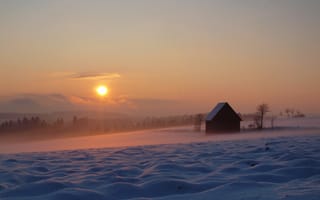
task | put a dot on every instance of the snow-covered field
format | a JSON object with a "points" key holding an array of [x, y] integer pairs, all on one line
{"points": [[266, 165]]}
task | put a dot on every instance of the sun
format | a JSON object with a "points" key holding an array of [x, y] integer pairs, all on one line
{"points": [[102, 90]]}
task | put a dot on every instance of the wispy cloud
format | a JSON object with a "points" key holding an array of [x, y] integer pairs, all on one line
{"points": [[87, 75], [121, 100], [150, 101], [93, 76], [79, 100]]}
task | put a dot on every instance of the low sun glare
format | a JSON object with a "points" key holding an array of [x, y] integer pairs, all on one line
{"points": [[102, 90]]}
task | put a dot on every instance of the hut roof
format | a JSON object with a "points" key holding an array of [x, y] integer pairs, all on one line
{"points": [[217, 109]]}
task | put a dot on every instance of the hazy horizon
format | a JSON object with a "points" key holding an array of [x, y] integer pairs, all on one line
{"points": [[160, 57]]}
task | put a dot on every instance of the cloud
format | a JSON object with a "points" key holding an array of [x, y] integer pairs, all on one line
{"points": [[157, 102], [20, 104], [121, 100], [44, 103], [23, 101], [82, 100], [86, 75], [155, 106], [93, 76], [35, 103]]}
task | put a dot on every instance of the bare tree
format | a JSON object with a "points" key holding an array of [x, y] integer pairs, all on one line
{"points": [[257, 121], [262, 109]]}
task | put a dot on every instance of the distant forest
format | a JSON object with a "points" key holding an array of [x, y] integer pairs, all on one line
{"points": [[87, 125], [76, 126]]}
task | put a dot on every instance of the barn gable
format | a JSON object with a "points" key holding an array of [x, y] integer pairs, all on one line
{"points": [[222, 119], [219, 107]]}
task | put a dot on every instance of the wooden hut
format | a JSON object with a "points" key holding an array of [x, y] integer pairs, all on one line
{"points": [[222, 119]]}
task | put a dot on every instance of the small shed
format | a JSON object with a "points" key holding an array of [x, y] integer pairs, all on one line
{"points": [[222, 119]]}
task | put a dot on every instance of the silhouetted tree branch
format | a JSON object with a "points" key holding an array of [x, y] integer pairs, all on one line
{"points": [[262, 109]]}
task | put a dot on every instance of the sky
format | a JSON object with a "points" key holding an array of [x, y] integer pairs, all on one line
{"points": [[159, 57]]}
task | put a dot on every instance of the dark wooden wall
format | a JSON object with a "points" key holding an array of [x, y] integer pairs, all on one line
{"points": [[225, 121]]}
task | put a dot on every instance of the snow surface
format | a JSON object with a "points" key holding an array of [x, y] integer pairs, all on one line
{"points": [[266, 165]]}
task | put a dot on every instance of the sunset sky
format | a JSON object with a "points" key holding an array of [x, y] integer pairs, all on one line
{"points": [[161, 57]]}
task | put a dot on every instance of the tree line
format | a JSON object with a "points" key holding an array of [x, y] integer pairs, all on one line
{"points": [[31, 123], [91, 125]]}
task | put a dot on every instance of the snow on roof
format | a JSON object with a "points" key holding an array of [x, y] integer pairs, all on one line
{"points": [[215, 111]]}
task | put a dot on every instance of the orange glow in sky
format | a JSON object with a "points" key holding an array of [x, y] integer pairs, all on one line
{"points": [[159, 56]]}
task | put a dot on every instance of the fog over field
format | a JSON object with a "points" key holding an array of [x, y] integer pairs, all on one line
{"points": [[185, 134]]}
